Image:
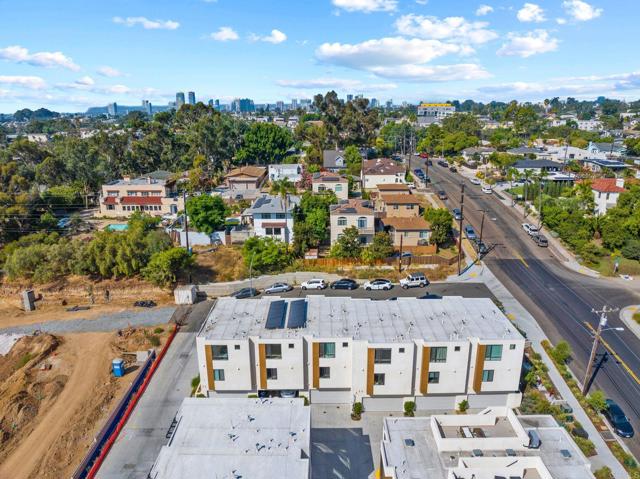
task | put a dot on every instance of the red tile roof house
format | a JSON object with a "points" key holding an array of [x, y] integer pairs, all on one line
{"points": [[157, 197], [606, 192]]}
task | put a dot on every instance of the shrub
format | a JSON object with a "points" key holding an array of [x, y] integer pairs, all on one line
{"points": [[306, 400], [158, 331], [562, 352], [631, 250], [153, 339], [409, 408], [165, 266], [585, 445], [356, 411], [603, 473], [194, 382], [597, 401], [463, 406]]}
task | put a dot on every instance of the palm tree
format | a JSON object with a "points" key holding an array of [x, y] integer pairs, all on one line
{"points": [[283, 188]]}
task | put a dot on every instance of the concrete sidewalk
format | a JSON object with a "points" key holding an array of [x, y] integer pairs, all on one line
{"points": [[527, 323]]}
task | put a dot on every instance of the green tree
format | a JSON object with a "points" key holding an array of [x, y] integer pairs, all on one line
{"points": [[348, 245], [380, 248], [562, 352], [265, 143], [164, 267], [353, 159], [267, 254], [441, 224], [597, 400], [207, 213]]}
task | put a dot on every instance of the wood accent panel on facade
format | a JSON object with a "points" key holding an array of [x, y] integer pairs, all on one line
{"points": [[424, 369], [477, 376], [208, 357], [371, 355], [262, 362], [316, 365]]}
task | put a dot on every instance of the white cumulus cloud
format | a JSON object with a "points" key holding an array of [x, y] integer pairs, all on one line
{"points": [[224, 34], [275, 37], [336, 83], [109, 72], [146, 23], [85, 80], [528, 44], [580, 10], [530, 12], [32, 82], [484, 10], [367, 6], [18, 54], [435, 73], [449, 28]]}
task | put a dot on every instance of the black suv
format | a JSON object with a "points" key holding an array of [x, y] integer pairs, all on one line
{"points": [[344, 283]]}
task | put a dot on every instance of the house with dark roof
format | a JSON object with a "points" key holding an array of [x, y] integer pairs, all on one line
{"points": [[333, 160], [272, 216], [610, 150], [537, 166], [358, 213], [598, 165]]}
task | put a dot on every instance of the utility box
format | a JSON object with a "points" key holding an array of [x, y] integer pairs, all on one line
{"points": [[117, 367], [186, 294], [29, 300]]}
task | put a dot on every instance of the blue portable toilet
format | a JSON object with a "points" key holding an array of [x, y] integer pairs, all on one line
{"points": [[117, 367]]}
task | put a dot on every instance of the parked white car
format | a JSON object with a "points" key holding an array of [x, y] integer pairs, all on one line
{"points": [[530, 229], [377, 284], [314, 283], [487, 190], [415, 280], [475, 181]]}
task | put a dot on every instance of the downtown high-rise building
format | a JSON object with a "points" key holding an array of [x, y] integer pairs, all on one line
{"points": [[192, 98], [374, 103], [294, 104], [280, 106], [112, 109], [147, 107], [349, 97], [179, 100]]}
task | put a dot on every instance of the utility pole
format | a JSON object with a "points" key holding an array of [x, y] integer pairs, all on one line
{"points": [[460, 229], [400, 257], [482, 224], [602, 326], [186, 220]]}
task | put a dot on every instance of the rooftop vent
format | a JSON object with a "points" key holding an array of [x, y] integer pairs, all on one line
{"points": [[565, 453], [409, 442]]}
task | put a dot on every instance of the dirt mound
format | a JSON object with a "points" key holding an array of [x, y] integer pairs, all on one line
{"points": [[25, 388], [50, 416]]}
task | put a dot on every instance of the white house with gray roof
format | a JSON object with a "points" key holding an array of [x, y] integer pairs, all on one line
{"points": [[436, 352], [272, 216]]}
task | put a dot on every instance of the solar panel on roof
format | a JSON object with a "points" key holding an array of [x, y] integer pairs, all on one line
{"points": [[276, 314], [297, 314]]}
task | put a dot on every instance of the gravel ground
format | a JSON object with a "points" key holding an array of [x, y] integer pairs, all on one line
{"points": [[106, 323]]}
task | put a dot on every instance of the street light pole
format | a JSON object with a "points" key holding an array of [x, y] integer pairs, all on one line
{"points": [[481, 225], [596, 342]]}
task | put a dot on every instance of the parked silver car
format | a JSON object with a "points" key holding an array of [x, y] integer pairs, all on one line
{"points": [[278, 288]]}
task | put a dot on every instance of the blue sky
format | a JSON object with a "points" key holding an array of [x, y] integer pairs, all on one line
{"points": [[70, 54]]}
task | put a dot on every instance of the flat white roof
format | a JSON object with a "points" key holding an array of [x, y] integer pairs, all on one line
{"points": [[412, 450], [232, 438], [451, 318]]}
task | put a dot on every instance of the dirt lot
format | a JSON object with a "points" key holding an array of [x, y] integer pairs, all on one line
{"points": [[75, 291], [49, 417], [225, 264]]}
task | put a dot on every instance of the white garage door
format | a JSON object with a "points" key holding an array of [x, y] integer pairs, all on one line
{"points": [[487, 400], [341, 396], [435, 403], [383, 404]]}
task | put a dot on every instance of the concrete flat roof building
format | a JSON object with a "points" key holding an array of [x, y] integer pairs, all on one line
{"points": [[492, 444], [233, 438], [337, 350]]}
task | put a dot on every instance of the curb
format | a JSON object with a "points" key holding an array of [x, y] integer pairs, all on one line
{"points": [[626, 316]]}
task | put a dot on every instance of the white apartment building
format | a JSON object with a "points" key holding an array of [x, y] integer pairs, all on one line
{"points": [[606, 192], [237, 438], [337, 350], [154, 196], [589, 125], [272, 216], [494, 443], [434, 112], [381, 171]]}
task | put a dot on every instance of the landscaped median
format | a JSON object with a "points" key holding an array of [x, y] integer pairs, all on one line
{"points": [[592, 405]]}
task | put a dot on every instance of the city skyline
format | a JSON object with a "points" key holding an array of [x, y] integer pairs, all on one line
{"points": [[400, 49]]}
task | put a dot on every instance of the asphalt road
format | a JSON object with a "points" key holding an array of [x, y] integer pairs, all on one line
{"points": [[561, 300]]}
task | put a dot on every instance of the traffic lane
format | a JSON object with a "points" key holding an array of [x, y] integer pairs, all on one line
{"points": [[547, 308], [434, 290]]}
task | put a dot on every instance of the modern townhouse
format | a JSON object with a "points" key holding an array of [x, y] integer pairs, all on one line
{"points": [[272, 216], [381, 171], [237, 438], [358, 213], [436, 352], [495, 443], [148, 194], [327, 181]]}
